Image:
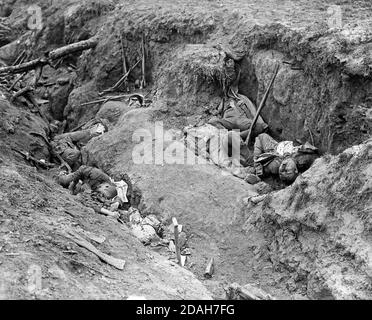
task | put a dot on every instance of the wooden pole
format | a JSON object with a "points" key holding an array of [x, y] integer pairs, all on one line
{"points": [[143, 81], [51, 56]]}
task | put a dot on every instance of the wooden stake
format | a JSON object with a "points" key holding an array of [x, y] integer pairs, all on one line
{"points": [[143, 81], [125, 68], [176, 242]]}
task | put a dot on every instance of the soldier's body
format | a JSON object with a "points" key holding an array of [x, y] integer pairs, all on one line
{"points": [[68, 145], [282, 159]]}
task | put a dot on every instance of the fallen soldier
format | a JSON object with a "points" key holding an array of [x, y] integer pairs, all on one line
{"points": [[237, 114], [98, 182], [68, 145], [283, 159]]}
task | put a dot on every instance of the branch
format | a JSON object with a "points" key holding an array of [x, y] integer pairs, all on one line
{"points": [[51, 56]]}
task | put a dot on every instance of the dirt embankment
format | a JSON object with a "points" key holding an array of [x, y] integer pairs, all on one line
{"points": [[322, 94], [318, 231]]}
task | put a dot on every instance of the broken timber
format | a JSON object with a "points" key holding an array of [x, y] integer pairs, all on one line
{"points": [[117, 263], [209, 270], [51, 56]]}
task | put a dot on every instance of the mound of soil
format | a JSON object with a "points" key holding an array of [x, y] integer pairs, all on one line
{"points": [[318, 230]]}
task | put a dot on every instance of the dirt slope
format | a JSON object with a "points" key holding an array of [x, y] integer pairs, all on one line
{"points": [[32, 221], [319, 229]]}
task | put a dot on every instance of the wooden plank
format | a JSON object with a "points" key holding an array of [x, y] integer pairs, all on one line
{"points": [[117, 263]]}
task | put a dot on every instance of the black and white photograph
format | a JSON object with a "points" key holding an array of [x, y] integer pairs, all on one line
{"points": [[212, 153]]}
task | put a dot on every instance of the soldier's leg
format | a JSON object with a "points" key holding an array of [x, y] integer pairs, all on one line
{"points": [[264, 143], [73, 157]]}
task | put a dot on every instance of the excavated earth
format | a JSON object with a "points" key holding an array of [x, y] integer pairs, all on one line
{"points": [[311, 240]]}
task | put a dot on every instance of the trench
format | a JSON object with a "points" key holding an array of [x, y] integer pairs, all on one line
{"points": [[241, 255], [312, 100]]}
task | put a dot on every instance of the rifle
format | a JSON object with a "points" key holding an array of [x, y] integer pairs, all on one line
{"points": [[262, 104]]}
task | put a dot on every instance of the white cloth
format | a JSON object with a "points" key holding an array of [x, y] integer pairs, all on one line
{"points": [[286, 147], [122, 188], [98, 129]]}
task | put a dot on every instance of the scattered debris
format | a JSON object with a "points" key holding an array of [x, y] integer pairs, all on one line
{"points": [[248, 292], [143, 229], [255, 199], [209, 270], [117, 85], [172, 247]]}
